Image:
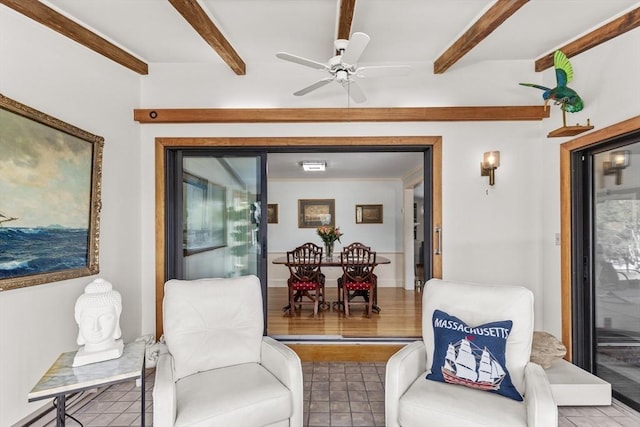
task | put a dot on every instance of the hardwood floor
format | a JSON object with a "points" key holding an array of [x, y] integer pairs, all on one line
{"points": [[399, 317]]}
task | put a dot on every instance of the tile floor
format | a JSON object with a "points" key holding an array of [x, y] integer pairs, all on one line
{"points": [[335, 394]]}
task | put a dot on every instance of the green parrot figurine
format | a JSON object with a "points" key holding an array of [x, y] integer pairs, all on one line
{"points": [[561, 94]]}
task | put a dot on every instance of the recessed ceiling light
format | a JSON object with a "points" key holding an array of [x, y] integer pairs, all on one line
{"points": [[313, 165]]}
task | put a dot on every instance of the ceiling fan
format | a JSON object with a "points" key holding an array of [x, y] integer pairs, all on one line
{"points": [[343, 67]]}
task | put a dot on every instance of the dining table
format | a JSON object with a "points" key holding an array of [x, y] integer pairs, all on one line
{"points": [[334, 261]]}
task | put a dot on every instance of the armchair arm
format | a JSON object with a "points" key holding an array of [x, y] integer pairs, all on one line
{"points": [[542, 410], [285, 365], [403, 368], [164, 392]]}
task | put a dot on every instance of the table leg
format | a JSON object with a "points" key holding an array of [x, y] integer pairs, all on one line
{"points": [[61, 403]]}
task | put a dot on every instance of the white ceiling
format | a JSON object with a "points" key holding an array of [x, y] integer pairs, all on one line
{"points": [[414, 32], [359, 165], [402, 31]]}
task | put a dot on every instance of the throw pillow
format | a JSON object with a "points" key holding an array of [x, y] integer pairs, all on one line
{"points": [[472, 356]]}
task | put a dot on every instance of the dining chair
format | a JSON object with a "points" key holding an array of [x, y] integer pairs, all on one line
{"points": [[312, 246], [306, 281], [358, 263], [340, 303]]}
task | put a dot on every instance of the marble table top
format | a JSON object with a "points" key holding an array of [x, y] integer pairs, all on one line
{"points": [[62, 378]]}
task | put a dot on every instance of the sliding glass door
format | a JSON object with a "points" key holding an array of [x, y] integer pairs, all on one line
{"points": [[610, 264], [214, 215], [215, 208]]}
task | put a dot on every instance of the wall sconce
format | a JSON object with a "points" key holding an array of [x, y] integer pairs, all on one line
{"points": [[618, 161], [313, 165], [490, 162]]}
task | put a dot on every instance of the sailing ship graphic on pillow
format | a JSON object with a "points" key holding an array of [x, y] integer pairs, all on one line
{"points": [[467, 364], [472, 356]]}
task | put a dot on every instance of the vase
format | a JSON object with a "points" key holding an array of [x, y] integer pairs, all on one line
{"points": [[328, 249]]}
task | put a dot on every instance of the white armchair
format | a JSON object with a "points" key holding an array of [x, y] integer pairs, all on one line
{"points": [[412, 400], [219, 370]]}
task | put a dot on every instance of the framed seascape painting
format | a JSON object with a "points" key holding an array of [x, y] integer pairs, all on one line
{"points": [[50, 173]]}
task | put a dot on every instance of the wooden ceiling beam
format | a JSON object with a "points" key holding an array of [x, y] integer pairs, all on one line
{"points": [[54, 20], [309, 115], [485, 25], [608, 31], [346, 18], [200, 21]]}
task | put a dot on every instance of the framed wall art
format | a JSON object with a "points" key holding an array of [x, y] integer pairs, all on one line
{"points": [[368, 214], [50, 173], [272, 214], [313, 213]]}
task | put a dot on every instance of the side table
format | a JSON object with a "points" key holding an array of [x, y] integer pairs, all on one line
{"points": [[62, 379]]}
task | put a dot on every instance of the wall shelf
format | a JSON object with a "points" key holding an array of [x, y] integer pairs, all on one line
{"points": [[568, 131]]}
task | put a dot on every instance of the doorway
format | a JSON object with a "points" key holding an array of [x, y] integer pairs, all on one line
{"points": [[267, 145], [606, 290], [367, 192]]}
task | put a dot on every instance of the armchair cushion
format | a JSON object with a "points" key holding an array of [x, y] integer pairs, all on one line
{"points": [[200, 318], [440, 404], [221, 397], [472, 356]]}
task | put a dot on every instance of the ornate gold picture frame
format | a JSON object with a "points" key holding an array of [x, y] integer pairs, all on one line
{"points": [[50, 177]]}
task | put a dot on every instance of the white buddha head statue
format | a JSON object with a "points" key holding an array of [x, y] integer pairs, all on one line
{"points": [[97, 313]]}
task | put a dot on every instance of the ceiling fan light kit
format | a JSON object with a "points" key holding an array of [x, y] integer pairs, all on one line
{"points": [[343, 67]]}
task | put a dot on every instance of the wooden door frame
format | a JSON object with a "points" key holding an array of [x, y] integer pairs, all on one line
{"points": [[162, 144], [566, 151]]}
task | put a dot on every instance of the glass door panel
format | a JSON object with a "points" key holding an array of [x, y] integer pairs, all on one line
{"points": [[221, 216], [616, 288]]}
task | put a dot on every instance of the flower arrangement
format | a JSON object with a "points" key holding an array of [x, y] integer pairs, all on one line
{"points": [[329, 234]]}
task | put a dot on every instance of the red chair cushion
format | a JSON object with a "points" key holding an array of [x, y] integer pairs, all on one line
{"points": [[358, 286], [303, 286]]}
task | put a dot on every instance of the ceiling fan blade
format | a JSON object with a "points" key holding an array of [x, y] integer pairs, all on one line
{"points": [[355, 91], [383, 71], [314, 86], [357, 43], [302, 61]]}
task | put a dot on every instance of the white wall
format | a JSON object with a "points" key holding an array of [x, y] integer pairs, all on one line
{"points": [[57, 76], [607, 78], [489, 234], [501, 234], [385, 238]]}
